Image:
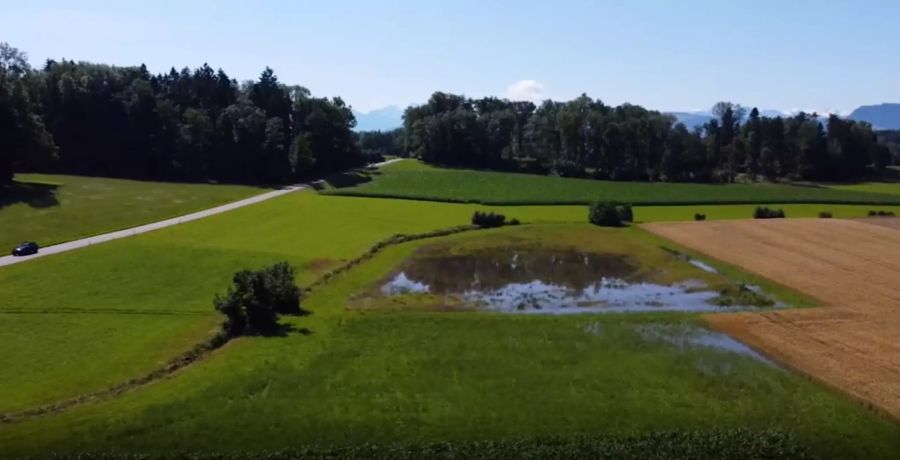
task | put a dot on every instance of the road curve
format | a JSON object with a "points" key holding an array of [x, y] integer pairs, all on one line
{"points": [[104, 237]]}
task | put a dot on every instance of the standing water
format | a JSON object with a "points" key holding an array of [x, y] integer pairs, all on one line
{"points": [[547, 281]]}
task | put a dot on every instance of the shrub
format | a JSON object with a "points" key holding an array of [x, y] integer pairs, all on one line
{"points": [[873, 213], [256, 298], [699, 216], [625, 212], [488, 219], [610, 214], [514, 221], [763, 212], [881, 213], [825, 215]]}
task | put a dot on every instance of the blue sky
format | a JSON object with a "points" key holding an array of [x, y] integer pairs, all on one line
{"points": [[665, 54]]}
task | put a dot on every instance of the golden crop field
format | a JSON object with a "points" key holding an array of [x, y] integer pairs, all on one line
{"points": [[853, 267]]}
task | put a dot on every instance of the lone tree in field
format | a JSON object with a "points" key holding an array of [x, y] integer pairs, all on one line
{"points": [[256, 298], [610, 214]]}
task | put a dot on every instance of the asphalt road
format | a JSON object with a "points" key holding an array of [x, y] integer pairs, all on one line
{"points": [[104, 237]]}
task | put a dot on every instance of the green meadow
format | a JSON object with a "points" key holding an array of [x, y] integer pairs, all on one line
{"points": [[414, 180], [87, 320], [52, 209], [347, 376], [149, 297]]}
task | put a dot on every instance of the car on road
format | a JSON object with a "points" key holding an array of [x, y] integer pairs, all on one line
{"points": [[25, 249]]}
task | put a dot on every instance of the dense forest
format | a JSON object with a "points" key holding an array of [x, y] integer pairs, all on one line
{"points": [[585, 137], [191, 125], [891, 140]]}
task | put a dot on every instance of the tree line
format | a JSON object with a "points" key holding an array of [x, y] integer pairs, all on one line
{"points": [[202, 125], [191, 125], [585, 137]]}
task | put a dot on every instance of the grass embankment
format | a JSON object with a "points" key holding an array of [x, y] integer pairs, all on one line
{"points": [[411, 179], [421, 377], [52, 209]]}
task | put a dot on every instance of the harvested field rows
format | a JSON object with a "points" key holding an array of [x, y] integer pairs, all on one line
{"points": [[889, 222], [851, 266]]}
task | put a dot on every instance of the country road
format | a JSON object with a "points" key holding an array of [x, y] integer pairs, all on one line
{"points": [[104, 237]]}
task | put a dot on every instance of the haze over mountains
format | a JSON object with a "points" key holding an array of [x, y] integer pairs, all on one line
{"points": [[384, 119], [881, 116]]}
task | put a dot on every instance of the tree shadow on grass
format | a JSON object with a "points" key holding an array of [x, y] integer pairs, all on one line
{"points": [[34, 194], [347, 179], [285, 330]]}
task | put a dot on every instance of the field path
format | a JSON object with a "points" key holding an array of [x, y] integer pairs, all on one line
{"points": [[104, 237], [853, 267]]}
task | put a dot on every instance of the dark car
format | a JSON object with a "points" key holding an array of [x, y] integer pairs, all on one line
{"points": [[25, 249]]}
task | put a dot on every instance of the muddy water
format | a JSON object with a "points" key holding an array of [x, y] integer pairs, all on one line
{"points": [[547, 281]]}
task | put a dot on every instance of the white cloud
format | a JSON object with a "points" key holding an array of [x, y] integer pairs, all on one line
{"points": [[525, 90]]}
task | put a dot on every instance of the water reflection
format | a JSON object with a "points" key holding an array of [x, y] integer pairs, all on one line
{"points": [[544, 281]]}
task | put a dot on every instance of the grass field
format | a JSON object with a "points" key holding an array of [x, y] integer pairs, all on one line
{"points": [[52, 209], [392, 377], [417, 377], [892, 188], [414, 180], [114, 290], [167, 278]]}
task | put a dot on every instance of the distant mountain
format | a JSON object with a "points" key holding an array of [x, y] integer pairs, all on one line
{"points": [[698, 118], [692, 120], [384, 119], [881, 116], [773, 113]]}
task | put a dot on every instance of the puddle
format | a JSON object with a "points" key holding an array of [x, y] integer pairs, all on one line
{"points": [[403, 285], [549, 282], [697, 263], [686, 337], [703, 266]]}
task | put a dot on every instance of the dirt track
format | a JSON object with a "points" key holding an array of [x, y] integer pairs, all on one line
{"points": [[853, 267]]}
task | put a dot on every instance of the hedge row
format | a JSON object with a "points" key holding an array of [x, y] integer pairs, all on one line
{"points": [[740, 444], [633, 201]]}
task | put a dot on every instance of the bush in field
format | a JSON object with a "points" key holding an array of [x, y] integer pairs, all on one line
{"points": [[699, 216], [514, 221], [610, 214], [825, 215], [256, 298], [488, 219], [763, 212], [625, 212]]}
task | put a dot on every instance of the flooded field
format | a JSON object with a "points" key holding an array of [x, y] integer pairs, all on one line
{"points": [[684, 337], [540, 280]]}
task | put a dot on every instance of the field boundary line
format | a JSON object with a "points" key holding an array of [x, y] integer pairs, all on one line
{"points": [[584, 202]]}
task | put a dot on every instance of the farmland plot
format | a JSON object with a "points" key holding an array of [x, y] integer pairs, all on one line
{"points": [[852, 266]]}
